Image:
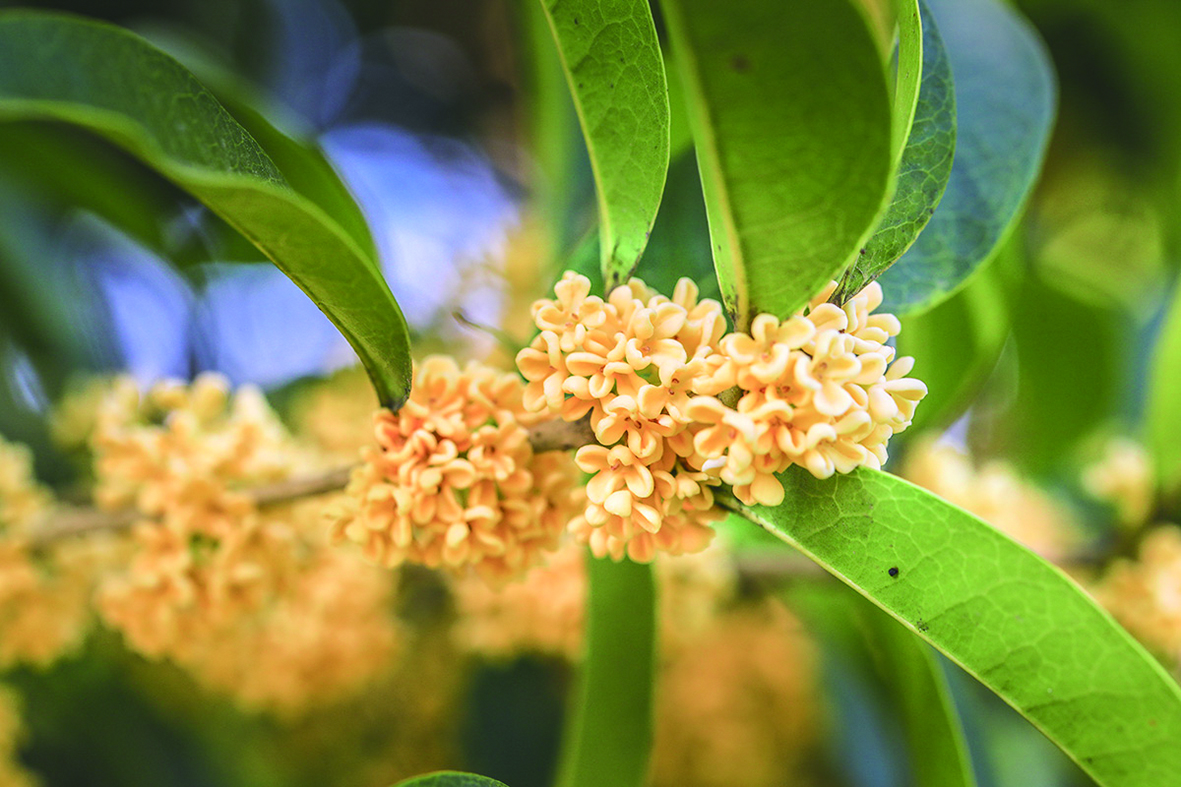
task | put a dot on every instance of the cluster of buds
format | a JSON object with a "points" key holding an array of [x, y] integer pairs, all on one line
{"points": [[821, 389], [454, 481]]}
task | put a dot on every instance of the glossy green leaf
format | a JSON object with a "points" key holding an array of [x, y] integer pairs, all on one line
{"points": [[112, 83], [911, 680], [1164, 398], [450, 779], [909, 76], [610, 733], [1013, 621], [1005, 98], [790, 112], [926, 159], [615, 69]]}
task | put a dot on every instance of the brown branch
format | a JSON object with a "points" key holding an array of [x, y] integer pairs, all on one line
{"points": [[558, 435], [72, 521], [80, 520]]}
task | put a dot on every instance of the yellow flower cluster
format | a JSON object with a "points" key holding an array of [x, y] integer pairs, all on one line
{"points": [[1124, 478], [324, 637], [454, 480], [334, 416], [996, 494], [44, 598], [543, 613], [821, 389], [215, 584], [12, 774], [738, 705], [1145, 595]]}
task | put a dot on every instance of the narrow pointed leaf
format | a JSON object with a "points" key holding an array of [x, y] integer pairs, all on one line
{"points": [[615, 69], [926, 159], [1164, 399], [114, 84], [790, 112], [1005, 99], [1013, 621], [609, 734], [450, 779]]}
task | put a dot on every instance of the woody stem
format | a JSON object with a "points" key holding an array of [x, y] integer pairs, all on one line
{"points": [[79, 520]]}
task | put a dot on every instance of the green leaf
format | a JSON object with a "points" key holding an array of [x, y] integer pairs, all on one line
{"points": [[1164, 394], [913, 683], [926, 160], [450, 779], [615, 69], [610, 734], [680, 238], [1005, 98], [114, 84], [790, 112], [1013, 621], [910, 75]]}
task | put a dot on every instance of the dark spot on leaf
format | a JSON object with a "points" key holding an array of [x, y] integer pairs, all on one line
{"points": [[921, 625], [740, 63], [575, 20], [893, 571], [862, 252]]}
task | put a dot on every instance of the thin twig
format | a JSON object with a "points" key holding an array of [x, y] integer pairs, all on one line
{"points": [[72, 521], [80, 520]]}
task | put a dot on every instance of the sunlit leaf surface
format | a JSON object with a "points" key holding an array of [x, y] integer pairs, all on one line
{"points": [[1013, 621], [926, 159], [791, 117], [615, 69]]}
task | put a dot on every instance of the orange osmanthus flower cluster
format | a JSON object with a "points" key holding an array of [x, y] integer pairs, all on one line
{"points": [[215, 584], [454, 480], [821, 389]]}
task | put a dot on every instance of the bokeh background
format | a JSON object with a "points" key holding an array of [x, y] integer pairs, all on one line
{"points": [[427, 109]]}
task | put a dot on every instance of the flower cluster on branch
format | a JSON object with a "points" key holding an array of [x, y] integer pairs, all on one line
{"points": [[454, 481], [821, 389]]}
